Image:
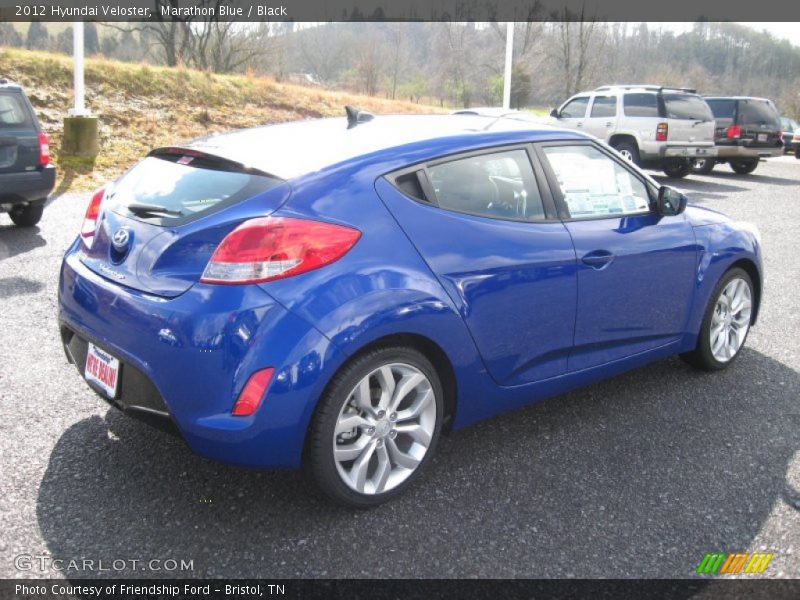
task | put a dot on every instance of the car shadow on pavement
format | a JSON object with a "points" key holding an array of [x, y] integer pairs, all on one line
{"points": [[18, 240], [18, 286], [636, 476], [755, 177], [700, 190]]}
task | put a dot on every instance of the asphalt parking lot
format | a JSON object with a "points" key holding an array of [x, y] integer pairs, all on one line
{"points": [[638, 476]]}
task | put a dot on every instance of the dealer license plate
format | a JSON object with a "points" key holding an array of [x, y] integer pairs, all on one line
{"points": [[103, 370]]}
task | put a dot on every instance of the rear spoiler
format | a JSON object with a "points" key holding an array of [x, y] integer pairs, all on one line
{"points": [[205, 160]]}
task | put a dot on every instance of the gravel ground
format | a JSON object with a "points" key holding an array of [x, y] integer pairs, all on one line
{"points": [[638, 476]]}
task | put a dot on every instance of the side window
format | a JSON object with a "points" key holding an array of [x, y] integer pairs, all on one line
{"points": [[594, 185], [575, 109], [604, 106], [640, 105], [411, 186], [500, 185]]}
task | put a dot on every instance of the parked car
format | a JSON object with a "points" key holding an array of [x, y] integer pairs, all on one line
{"points": [[496, 112], [338, 292], [26, 175], [789, 129], [748, 129], [652, 126]]}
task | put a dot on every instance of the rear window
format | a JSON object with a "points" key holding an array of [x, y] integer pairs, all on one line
{"points": [[640, 105], [724, 111], [13, 111], [173, 190], [686, 106], [758, 112]]}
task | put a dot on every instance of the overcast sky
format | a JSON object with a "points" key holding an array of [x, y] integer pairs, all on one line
{"points": [[787, 31]]}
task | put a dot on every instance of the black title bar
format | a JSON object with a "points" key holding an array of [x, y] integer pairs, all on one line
{"points": [[399, 10]]}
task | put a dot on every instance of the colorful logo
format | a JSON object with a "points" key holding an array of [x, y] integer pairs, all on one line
{"points": [[719, 563]]}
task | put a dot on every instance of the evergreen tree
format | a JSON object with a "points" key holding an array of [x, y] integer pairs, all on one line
{"points": [[38, 38]]}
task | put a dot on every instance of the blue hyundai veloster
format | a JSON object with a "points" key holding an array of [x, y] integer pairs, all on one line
{"points": [[336, 293]]}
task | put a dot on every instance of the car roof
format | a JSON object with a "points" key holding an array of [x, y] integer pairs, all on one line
{"points": [[7, 84], [643, 87], [488, 111], [289, 150]]}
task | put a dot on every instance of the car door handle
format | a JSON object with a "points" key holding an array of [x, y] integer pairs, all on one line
{"points": [[579, 124], [597, 259], [609, 124]]}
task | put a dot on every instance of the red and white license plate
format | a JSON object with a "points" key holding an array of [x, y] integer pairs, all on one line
{"points": [[762, 137], [102, 369]]}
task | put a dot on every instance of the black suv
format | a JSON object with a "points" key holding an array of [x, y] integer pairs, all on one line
{"points": [[747, 130], [26, 175]]}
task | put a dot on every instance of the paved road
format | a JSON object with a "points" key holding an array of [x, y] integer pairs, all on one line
{"points": [[637, 476]]}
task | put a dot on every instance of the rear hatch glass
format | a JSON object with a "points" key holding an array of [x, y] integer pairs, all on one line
{"points": [[724, 111], [686, 106], [16, 129], [758, 112], [13, 112], [175, 209], [173, 188], [690, 119]]}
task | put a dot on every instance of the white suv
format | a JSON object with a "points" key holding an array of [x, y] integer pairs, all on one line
{"points": [[655, 127]]}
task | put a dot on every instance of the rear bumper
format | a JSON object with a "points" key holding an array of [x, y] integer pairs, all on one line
{"points": [[28, 186], [688, 152], [185, 360], [138, 397], [656, 153], [725, 152]]}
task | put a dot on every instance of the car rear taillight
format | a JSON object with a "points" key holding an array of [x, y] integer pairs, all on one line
{"points": [[44, 150], [268, 248], [253, 393], [662, 129], [89, 227], [734, 132]]}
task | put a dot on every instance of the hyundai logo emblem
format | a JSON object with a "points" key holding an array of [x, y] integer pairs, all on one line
{"points": [[120, 239]]}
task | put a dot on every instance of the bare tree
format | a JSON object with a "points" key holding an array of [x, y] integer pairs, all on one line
{"points": [[576, 33], [323, 50], [370, 61], [226, 46], [397, 37]]}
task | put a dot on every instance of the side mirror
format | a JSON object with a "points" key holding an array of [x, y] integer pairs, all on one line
{"points": [[554, 113], [670, 201]]}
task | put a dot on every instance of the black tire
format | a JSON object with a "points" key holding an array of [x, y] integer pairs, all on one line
{"points": [[320, 464], [797, 152], [26, 216], [701, 357], [703, 166], [744, 166], [678, 168], [628, 150]]}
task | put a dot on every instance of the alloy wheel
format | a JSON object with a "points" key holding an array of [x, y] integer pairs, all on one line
{"points": [[626, 154], [731, 319], [384, 428]]}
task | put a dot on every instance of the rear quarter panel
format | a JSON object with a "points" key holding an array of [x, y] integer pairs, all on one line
{"points": [[381, 287]]}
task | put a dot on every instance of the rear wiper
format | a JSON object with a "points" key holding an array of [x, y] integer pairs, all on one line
{"points": [[698, 121], [152, 209]]}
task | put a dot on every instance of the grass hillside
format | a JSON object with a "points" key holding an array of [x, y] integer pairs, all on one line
{"points": [[141, 106]]}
